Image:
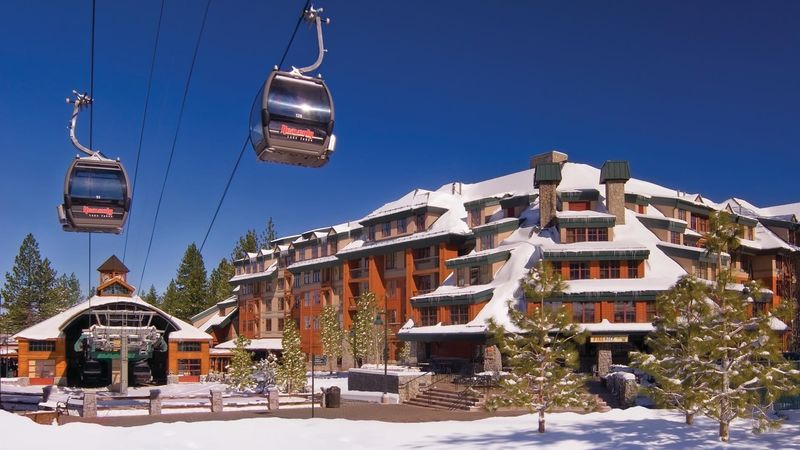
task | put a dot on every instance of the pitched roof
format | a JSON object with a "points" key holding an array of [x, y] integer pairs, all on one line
{"points": [[113, 264]]}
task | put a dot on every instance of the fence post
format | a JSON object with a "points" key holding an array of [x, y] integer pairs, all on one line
{"points": [[216, 401], [273, 398], [89, 405], [155, 402]]}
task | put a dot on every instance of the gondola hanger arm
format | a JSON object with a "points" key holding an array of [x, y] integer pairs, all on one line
{"points": [[313, 16], [79, 101]]}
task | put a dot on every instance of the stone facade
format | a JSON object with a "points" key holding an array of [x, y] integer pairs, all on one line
{"points": [[407, 385], [615, 200], [548, 204], [603, 359]]}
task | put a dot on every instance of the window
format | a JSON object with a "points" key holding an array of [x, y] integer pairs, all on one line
{"points": [[578, 271], [682, 214], [386, 229], [576, 235], [188, 346], [296, 281], [268, 325], [307, 320], [597, 234], [41, 346], [428, 316], [314, 252], [316, 323], [579, 206], [488, 241], [116, 289], [633, 269], [316, 276], [419, 220], [699, 224], [650, 311], [371, 233], [315, 297], [553, 307], [609, 269], [624, 312], [401, 225], [583, 312], [189, 367], [701, 270], [474, 217], [390, 261], [280, 304], [280, 324], [675, 237], [306, 277], [307, 298], [459, 314]]}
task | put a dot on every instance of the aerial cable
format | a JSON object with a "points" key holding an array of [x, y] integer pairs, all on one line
{"points": [[141, 132], [175, 138], [244, 146], [91, 125]]}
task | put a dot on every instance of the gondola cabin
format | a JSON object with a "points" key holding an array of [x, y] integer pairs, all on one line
{"points": [[292, 121], [96, 196]]}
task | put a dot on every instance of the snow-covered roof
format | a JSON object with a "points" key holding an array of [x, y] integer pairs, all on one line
{"points": [[217, 320], [248, 276], [255, 344], [312, 262], [604, 326], [52, 328]]}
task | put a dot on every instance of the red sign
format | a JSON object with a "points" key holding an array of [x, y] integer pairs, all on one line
{"points": [[105, 212], [290, 131]]}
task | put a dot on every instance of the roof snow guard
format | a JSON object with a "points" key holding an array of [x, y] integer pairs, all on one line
{"points": [[615, 171], [547, 173]]}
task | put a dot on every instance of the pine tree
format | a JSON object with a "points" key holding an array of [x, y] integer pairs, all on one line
{"points": [[151, 296], [291, 372], [404, 353], [66, 293], [192, 286], [28, 292], [362, 333], [268, 235], [681, 314], [266, 369], [219, 287], [541, 352], [240, 371], [332, 334], [246, 244], [170, 302]]}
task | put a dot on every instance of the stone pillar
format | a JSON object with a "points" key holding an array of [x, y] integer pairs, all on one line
{"points": [[273, 397], [89, 405], [492, 361], [548, 204], [603, 359], [155, 402], [116, 375], [216, 401], [615, 200]]}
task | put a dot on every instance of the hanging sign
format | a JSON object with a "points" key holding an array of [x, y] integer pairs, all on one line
{"points": [[608, 339]]}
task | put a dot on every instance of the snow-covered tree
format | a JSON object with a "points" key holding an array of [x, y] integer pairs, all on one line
{"points": [[291, 371], [404, 353], [240, 371], [332, 335], [541, 353], [265, 370], [681, 314], [362, 333]]}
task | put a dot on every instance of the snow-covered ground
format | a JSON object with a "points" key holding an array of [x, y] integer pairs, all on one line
{"points": [[633, 428]]}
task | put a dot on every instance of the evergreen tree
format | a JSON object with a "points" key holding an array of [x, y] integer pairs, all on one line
{"points": [[246, 244], [66, 293], [362, 333], [170, 301], [192, 286], [681, 314], [240, 370], [29, 289], [404, 353], [219, 287], [151, 296], [291, 371], [268, 235], [332, 334], [541, 352], [266, 369]]}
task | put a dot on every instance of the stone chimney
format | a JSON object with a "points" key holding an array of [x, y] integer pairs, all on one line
{"points": [[614, 174], [546, 179], [553, 156]]}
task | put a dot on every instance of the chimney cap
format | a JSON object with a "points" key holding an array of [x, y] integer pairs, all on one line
{"points": [[615, 171], [547, 173], [553, 156]]}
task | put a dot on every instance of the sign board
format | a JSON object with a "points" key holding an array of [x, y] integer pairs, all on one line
{"points": [[320, 360], [608, 339]]}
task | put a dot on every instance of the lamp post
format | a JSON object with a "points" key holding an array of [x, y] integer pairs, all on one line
{"points": [[385, 323]]}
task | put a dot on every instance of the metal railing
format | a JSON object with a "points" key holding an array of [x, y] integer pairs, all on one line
{"points": [[431, 262], [359, 272]]}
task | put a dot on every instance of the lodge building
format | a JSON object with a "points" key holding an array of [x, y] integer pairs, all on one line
{"points": [[441, 263]]}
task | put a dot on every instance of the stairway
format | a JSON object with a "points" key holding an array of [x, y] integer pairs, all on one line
{"points": [[438, 398]]}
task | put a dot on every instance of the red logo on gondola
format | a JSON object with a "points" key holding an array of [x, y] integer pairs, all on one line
{"points": [[107, 212], [289, 131]]}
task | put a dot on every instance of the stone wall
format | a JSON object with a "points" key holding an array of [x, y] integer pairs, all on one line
{"points": [[406, 384], [615, 200], [623, 387]]}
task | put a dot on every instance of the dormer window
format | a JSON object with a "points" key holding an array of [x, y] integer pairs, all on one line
{"points": [[401, 225], [586, 234], [371, 233], [386, 229], [487, 241], [475, 217], [420, 222]]}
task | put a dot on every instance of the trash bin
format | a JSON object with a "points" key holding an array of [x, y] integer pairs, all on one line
{"points": [[333, 397], [46, 391]]}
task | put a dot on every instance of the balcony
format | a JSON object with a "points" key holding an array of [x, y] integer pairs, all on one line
{"points": [[359, 272], [431, 262], [423, 292]]}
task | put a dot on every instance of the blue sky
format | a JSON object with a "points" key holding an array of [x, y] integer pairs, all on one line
{"points": [[700, 96]]}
